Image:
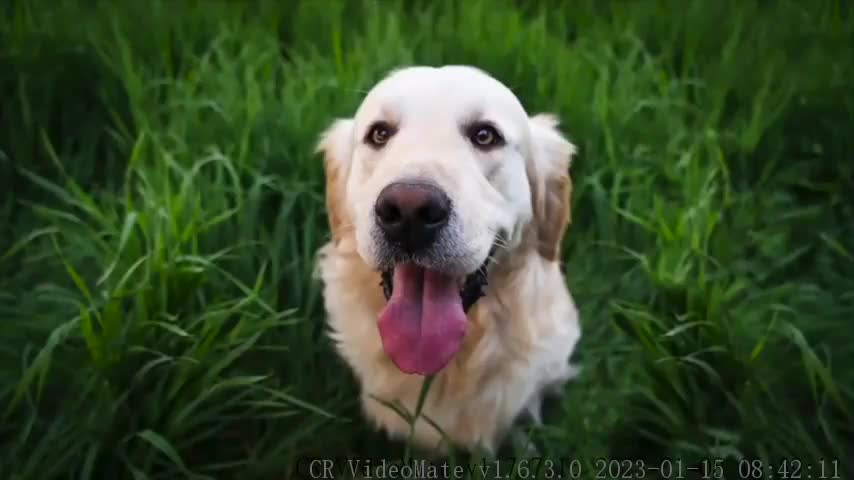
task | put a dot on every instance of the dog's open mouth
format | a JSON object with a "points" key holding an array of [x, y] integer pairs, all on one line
{"points": [[424, 321]]}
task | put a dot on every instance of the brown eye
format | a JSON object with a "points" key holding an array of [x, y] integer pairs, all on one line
{"points": [[485, 136], [379, 134]]}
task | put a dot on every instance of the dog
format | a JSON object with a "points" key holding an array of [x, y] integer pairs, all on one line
{"points": [[447, 206]]}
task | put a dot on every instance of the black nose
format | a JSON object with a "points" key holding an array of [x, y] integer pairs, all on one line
{"points": [[411, 215]]}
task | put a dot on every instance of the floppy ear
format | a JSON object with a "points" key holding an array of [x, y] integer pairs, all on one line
{"points": [[336, 144], [551, 185]]}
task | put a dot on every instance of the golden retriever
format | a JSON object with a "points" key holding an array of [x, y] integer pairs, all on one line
{"points": [[447, 206]]}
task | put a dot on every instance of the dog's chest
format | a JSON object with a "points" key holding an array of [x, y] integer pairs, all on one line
{"points": [[477, 396], [514, 347]]}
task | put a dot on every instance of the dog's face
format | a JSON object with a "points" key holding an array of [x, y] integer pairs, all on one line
{"points": [[439, 170]]}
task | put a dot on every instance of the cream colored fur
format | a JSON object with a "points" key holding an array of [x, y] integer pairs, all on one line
{"points": [[521, 334]]}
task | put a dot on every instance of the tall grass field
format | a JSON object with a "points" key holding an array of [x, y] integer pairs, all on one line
{"points": [[161, 205]]}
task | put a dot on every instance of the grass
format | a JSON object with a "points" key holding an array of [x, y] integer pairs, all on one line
{"points": [[161, 207]]}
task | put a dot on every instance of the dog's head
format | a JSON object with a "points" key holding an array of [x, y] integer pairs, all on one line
{"points": [[440, 172]]}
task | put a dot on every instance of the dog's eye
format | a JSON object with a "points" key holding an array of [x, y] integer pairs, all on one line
{"points": [[485, 136], [379, 134]]}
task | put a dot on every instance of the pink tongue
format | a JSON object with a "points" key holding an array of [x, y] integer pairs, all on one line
{"points": [[423, 324]]}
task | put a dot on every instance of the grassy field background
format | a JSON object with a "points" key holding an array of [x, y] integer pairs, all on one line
{"points": [[160, 206]]}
